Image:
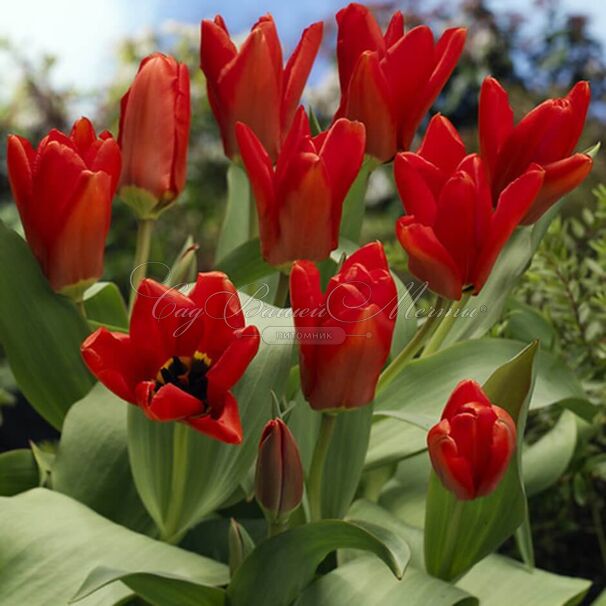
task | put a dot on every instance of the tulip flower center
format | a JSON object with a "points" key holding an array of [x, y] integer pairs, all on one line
{"points": [[187, 373]]}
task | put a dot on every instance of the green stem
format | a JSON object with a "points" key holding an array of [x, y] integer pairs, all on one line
{"points": [[171, 533], [81, 308], [316, 471], [451, 540], [412, 347], [253, 220], [275, 527], [445, 325], [144, 235], [281, 296]]}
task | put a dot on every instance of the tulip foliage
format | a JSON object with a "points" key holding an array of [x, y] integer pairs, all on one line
{"points": [[223, 432]]}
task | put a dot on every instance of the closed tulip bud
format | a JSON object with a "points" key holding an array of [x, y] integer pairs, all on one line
{"points": [[452, 231], [345, 333], [251, 84], [154, 133], [470, 448], [300, 201], [546, 136], [64, 191], [389, 81], [240, 545], [279, 474]]}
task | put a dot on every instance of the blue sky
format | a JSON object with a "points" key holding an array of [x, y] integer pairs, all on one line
{"points": [[83, 35]]}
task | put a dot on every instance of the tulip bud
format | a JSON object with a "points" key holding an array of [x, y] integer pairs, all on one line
{"points": [[279, 474], [64, 191], [470, 448], [240, 545], [154, 132]]}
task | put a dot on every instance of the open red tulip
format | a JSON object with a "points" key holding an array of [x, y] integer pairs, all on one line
{"points": [[181, 357], [344, 334], [64, 191], [154, 133], [452, 232], [299, 203], [251, 85], [389, 81], [470, 448], [546, 136]]}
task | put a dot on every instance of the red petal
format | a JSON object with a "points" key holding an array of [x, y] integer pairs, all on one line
{"points": [[226, 428], [113, 360], [512, 206], [20, 157], [234, 361], [169, 403], [428, 259], [395, 29], [297, 71], [466, 391], [419, 183], [368, 100], [442, 145], [560, 178], [358, 32], [216, 48]]}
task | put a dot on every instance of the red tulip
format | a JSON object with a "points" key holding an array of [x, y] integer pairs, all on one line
{"points": [[154, 132], [181, 357], [389, 81], [300, 202], [64, 192], [451, 232], [546, 136], [279, 474], [345, 334], [251, 85], [470, 448]]}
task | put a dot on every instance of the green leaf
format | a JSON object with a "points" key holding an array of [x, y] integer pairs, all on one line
{"points": [[41, 333], [406, 321], [280, 567], [236, 223], [105, 306], [50, 543], [157, 589], [366, 581], [548, 458], [526, 324], [92, 463], [453, 543], [18, 472], [500, 581], [424, 385], [345, 461], [213, 470], [244, 264], [353, 206]]}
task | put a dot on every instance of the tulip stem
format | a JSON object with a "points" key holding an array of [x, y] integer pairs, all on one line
{"points": [[316, 471], [412, 347], [282, 290], [144, 235], [171, 533], [445, 325]]}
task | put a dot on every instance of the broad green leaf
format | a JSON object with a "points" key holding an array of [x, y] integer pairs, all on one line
{"points": [[353, 206], [50, 543], [424, 385], [157, 589], [345, 460], [41, 333], [525, 323], [500, 581], [458, 534], [548, 458], [244, 264], [92, 463], [105, 306], [281, 567], [236, 223], [213, 470], [365, 581], [406, 322], [18, 472]]}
